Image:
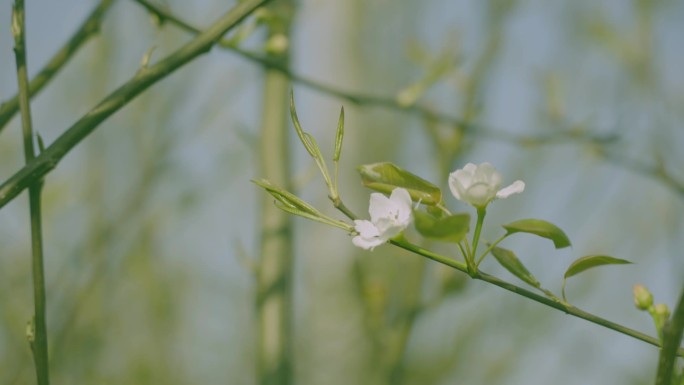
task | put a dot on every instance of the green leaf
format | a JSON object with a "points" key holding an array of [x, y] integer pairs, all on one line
{"points": [[510, 261], [451, 228], [286, 198], [298, 128], [385, 177], [590, 261], [541, 228]]}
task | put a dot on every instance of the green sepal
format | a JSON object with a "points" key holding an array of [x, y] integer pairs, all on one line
{"points": [[540, 228], [385, 177], [510, 262], [452, 228]]}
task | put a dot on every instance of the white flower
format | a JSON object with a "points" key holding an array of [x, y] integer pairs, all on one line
{"points": [[389, 217], [479, 185]]}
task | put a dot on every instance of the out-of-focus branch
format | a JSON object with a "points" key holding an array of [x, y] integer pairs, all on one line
{"points": [[37, 333], [275, 267], [88, 29], [381, 101], [145, 77], [657, 171]]}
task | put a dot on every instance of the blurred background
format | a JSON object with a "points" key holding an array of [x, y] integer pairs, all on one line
{"points": [[153, 231]]}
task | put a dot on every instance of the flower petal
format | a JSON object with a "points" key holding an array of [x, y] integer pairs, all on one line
{"points": [[403, 203], [366, 229], [402, 198], [517, 187], [455, 185], [470, 168], [486, 173], [365, 243], [380, 206]]}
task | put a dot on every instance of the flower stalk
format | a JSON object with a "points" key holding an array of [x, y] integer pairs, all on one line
{"points": [[472, 265]]}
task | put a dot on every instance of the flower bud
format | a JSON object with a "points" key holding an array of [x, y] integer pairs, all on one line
{"points": [[277, 44], [643, 299], [661, 310]]}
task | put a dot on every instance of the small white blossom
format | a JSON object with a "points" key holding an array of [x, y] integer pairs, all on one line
{"points": [[479, 184], [389, 217]]}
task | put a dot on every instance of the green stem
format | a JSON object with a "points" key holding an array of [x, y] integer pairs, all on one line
{"points": [[274, 275], [146, 77], [463, 252], [481, 212], [672, 337], [88, 29], [39, 344], [493, 245]]}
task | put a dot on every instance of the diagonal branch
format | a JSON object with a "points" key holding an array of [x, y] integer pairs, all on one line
{"points": [[88, 29], [146, 77], [568, 309], [564, 307], [362, 99]]}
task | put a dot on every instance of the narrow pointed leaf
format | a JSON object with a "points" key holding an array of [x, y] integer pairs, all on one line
{"points": [[298, 127], [540, 228], [510, 261], [385, 177], [591, 261], [339, 136], [286, 198], [452, 228]]}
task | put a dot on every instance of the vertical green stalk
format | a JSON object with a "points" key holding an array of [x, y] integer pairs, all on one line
{"points": [[38, 336], [672, 337], [274, 291]]}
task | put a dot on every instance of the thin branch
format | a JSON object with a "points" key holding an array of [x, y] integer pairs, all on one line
{"points": [[145, 77], [657, 171], [568, 309], [564, 307], [672, 337], [88, 29], [38, 339], [385, 102]]}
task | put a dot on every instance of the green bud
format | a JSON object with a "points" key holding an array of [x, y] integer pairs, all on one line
{"points": [[643, 299], [277, 44], [661, 310]]}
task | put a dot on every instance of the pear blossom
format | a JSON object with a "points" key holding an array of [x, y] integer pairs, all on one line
{"points": [[480, 184], [389, 217]]}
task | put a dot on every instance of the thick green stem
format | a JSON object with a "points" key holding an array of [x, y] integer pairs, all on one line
{"points": [[88, 29], [39, 342], [146, 77], [672, 337], [274, 280]]}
